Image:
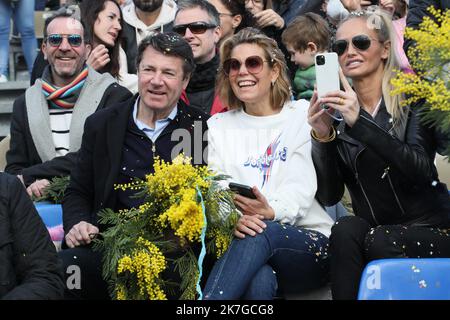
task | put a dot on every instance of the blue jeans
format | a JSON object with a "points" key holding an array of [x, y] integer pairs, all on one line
{"points": [[23, 11], [337, 211], [291, 13], [291, 258]]}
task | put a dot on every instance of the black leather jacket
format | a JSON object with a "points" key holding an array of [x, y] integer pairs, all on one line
{"points": [[388, 170]]}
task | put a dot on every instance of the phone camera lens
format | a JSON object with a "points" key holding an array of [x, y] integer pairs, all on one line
{"points": [[320, 60]]}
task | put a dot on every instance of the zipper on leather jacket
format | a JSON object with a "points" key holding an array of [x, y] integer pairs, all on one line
{"points": [[386, 173], [386, 170], [376, 124], [362, 189]]}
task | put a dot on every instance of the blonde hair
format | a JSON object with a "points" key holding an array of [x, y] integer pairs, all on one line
{"points": [[380, 21], [280, 90]]}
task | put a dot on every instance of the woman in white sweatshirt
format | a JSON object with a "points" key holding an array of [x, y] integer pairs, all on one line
{"points": [[264, 142]]}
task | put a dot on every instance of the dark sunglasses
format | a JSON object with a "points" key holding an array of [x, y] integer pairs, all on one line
{"points": [[360, 42], [253, 64], [195, 28], [74, 40]]}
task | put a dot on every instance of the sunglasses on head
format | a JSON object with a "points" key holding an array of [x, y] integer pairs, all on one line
{"points": [[74, 40], [195, 28], [253, 64], [360, 42]]}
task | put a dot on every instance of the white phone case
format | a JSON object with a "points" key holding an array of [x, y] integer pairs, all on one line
{"points": [[327, 74]]}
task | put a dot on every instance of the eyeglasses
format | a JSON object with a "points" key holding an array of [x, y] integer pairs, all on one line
{"points": [[253, 64], [74, 40], [360, 42], [226, 14], [223, 14], [195, 28]]}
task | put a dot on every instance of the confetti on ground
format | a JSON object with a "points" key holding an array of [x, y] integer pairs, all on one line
{"points": [[422, 284]]}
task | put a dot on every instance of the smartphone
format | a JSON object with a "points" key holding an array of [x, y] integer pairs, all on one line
{"points": [[327, 73], [242, 189]]}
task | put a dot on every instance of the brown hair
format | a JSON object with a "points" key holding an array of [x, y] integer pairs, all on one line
{"points": [[280, 91], [401, 8], [309, 27]]}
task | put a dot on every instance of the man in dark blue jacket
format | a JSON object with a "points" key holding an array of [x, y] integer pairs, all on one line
{"points": [[120, 143]]}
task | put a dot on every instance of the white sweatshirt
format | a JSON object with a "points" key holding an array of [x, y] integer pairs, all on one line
{"points": [[128, 80], [166, 15], [272, 153]]}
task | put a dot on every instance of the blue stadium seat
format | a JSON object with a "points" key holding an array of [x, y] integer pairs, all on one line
{"points": [[50, 213], [406, 279]]}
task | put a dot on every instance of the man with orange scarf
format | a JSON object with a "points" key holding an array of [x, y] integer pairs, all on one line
{"points": [[47, 121]]}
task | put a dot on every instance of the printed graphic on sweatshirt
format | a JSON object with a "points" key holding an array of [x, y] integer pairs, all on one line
{"points": [[265, 162]]}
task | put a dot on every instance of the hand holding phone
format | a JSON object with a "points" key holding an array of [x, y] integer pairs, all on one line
{"points": [[252, 202], [242, 189], [327, 77], [327, 73]]}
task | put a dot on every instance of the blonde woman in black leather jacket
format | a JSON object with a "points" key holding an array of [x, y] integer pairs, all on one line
{"points": [[384, 156]]}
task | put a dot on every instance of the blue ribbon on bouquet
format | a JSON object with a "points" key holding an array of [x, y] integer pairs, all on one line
{"points": [[203, 251]]}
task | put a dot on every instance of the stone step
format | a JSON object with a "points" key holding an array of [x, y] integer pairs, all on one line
{"points": [[14, 86], [6, 105], [9, 91]]}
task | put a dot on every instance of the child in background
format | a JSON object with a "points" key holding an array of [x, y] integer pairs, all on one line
{"points": [[398, 9], [306, 36]]}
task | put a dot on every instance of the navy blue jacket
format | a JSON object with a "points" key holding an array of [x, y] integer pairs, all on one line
{"points": [[92, 181]]}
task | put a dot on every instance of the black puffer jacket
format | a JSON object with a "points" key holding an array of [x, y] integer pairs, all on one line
{"points": [[29, 266], [388, 171]]}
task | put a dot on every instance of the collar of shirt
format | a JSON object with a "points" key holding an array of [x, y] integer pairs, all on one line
{"points": [[377, 108], [160, 125]]}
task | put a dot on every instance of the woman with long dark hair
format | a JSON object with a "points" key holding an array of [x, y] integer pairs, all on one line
{"points": [[102, 20]]}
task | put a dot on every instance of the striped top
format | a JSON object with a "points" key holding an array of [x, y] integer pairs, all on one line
{"points": [[60, 120], [61, 101]]}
